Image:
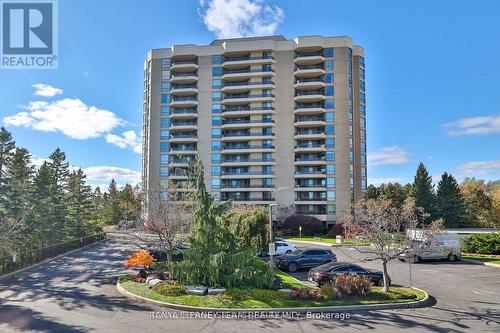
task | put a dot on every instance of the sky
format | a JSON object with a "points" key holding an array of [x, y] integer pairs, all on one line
{"points": [[432, 78]]}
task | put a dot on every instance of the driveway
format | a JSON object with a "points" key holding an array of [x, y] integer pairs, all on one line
{"points": [[76, 293]]}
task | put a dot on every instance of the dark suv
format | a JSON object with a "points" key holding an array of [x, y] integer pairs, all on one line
{"points": [[328, 272], [305, 259]]}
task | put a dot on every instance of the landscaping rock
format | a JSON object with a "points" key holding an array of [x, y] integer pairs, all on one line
{"points": [[216, 291], [196, 290], [285, 290], [151, 277], [154, 282]]}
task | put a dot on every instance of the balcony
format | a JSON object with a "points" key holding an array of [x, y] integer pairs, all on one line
{"points": [[309, 83], [309, 96], [309, 121], [309, 135], [239, 123], [229, 62], [184, 65], [240, 86], [234, 99], [246, 136], [302, 148], [243, 149], [183, 150], [247, 162], [183, 89], [183, 125], [310, 188], [188, 77], [245, 187], [184, 101], [183, 113], [315, 108], [310, 174], [239, 74], [308, 58], [182, 138], [309, 71], [307, 160], [246, 110], [247, 175]]}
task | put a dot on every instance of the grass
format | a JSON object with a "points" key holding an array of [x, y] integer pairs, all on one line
{"points": [[327, 240], [483, 258], [289, 281], [271, 298]]}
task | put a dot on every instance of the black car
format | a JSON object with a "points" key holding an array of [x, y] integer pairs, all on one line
{"points": [[328, 272], [160, 255], [304, 259]]}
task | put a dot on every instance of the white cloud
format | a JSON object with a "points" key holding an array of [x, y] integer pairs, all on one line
{"points": [[388, 155], [45, 90], [106, 173], [474, 126], [240, 18], [69, 116], [380, 181], [128, 140], [478, 169]]}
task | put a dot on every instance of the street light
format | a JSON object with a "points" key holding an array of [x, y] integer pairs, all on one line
{"points": [[271, 236]]}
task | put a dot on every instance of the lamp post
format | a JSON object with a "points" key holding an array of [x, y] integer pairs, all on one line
{"points": [[271, 236]]}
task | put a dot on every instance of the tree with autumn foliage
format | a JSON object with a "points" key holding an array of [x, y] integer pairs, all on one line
{"points": [[139, 258]]}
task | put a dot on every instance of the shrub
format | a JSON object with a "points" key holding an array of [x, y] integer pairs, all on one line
{"points": [[337, 229], [306, 294], [483, 243], [139, 258], [235, 294], [352, 285], [327, 291], [310, 225], [264, 295], [169, 290]]}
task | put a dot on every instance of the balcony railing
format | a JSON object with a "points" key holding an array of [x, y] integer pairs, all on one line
{"points": [[242, 71], [185, 62], [184, 110], [182, 136], [229, 96], [245, 83], [308, 132], [246, 147], [310, 185], [300, 119], [183, 86], [246, 186], [309, 106], [311, 212], [300, 68], [240, 121], [244, 173], [313, 172], [301, 159], [191, 148], [247, 134], [184, 98], [184, 74], [183, 123], [248, 160], [247, 108], [310, 146], [246, 199], [308, 54], [308, 93], [304, 80], [228, 59]]}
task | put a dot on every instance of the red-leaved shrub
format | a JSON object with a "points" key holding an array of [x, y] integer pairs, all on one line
{"points": [[352, 285], [337, 229], [306, 294]]}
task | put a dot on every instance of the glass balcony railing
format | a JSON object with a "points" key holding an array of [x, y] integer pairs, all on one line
{"points": [[230, 96], [309, 106], [247, 108], [246, 70], [245, 121], [183, 110], [308, 54], [301, 68], [229, 59], [245, 83]]}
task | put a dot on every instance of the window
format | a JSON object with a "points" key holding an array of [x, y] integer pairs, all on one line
{"points": [[216, 133], [165, 86], [164, 122], [267, 131], [165, 98], [362, 109], [266, 92], [267, 68], [331, 209], [165, 62], [267, 169], [216, 183], [215, 158], [330, 156], [163, 158], [329, 130], [329, 65], [330, 142], [165, 75], [363, 172], [330, 117], [351, 155], [362, 122], [216, 145], [363, 184], [329, 78], [267, 156], [216, 121], [361, 61], [216, 108], [361, 85], [330, 195], [351, 181], [216, 95], [361, 73], [164, 134], [163, 172], [267, 144], [362, 97], [266, 118], [363, 158], [266, 182], [216, 71], [350, 117], [164, 110], [330, 169], [216, 59], [164, 147], [215, 170], [266, 79], [329, 104], [267, 105], [363, 146], [329, 90], [330, 182], [216, 83], [266, 55], [329, 52]]}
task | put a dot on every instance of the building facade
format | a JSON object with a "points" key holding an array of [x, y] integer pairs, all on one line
{"points": [[273, 121]]}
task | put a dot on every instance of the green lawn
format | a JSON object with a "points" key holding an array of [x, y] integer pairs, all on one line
{"points": [[270, 298], [492, 260], [289, 281], [328, 240]]}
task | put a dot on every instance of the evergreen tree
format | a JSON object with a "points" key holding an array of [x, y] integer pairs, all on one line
{"points": [[59, 170], [7, 146], [20, 183], [112, 209], [98, 207], [128, 203], [479, 204], [42, 224], [451, 206], [79, 201], [423, 192], [394, 192], [372, 192]]}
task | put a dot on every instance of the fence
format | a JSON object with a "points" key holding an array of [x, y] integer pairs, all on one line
{"points": [[29, 258]]}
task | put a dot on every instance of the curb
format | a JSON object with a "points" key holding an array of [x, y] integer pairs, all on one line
{"points": [[345, 308], [321, 244], [477, 262], [22, 270]]}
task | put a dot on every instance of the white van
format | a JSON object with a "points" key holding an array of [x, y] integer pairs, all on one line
{"points": [[440, 246]]}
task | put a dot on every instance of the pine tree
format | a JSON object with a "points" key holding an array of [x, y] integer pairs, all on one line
{"points": [[7, 146], [21, 184], [79, 202], [394, 192], [59, 170], [128, 203], [112, 204], [451, 205], [41, 223], [423, 192]]}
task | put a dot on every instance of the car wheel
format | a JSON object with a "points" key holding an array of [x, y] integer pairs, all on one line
{"points": [[451, 257], [289, 252], [416, 259], [292, 267]]}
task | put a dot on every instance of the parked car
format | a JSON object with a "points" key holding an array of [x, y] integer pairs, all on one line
{"points": [[161, 255], [284, 248], [327, 273], [308, 258], [440, 246]]}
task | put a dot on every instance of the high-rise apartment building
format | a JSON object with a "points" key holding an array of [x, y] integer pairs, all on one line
{"points": [[273, 120]]}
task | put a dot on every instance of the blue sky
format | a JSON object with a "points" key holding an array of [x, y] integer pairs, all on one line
{"points": [[433, 78]]}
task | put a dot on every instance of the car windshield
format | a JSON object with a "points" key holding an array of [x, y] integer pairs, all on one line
{"points": [[297, 252]]}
